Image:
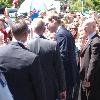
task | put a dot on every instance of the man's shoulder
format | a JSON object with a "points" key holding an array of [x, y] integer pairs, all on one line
{"points": [[4, 48], [29, 53], [29, 56], [96, 39], [16, 58], [14, 51], [41, 40], [48, 43], [63, 31]]}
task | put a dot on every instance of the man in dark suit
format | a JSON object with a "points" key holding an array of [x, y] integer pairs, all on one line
{"points": [[90, 63], [66, 43], [48, 52], [24, 75]]}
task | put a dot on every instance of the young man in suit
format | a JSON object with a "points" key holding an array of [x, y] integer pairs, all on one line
{"points": [[90, 62], [24, 75], [66, 43], [48, 52]]}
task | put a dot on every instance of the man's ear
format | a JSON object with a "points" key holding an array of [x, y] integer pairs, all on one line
{"points": [[26, 35], [53, 21], [94, 26]]}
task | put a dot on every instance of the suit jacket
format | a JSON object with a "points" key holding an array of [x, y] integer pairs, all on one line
{"points": [[90, 66], [24, 75], [67, 50], [53, 71]]}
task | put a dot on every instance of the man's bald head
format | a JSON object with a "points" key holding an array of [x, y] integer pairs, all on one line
{"points": [[89, 26], [90, 21]]}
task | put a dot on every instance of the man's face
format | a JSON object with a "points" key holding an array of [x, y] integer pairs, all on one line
{"points": [[52, 26], [87, 28]]}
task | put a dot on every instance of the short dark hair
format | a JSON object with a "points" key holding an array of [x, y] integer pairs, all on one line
{"points": [[56, 18], [19, 28]]}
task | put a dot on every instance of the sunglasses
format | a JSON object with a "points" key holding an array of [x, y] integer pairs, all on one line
{"points": [[73, 28]]}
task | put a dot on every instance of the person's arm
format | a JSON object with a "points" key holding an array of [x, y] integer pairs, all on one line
{"points": [[62, 42], [38, 80], [7, 18], [60, 73], [94, 66]]}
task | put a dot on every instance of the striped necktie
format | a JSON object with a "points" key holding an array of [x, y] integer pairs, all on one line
{"points": [[85, 42]]}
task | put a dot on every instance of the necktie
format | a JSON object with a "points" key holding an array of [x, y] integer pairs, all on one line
{"points": [[85, 42]]}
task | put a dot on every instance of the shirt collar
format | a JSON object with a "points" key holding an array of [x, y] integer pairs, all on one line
{"points": [[58, 28], [37, 35], [91, 35]]}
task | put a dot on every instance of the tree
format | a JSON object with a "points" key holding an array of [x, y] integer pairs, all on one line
{"points": [[8, 3], [87, 4], [96, 5], [75, 5]]}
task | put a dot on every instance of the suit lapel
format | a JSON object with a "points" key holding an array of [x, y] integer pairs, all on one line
{"points": [[84, 48], [89, 42], [87, 45]]}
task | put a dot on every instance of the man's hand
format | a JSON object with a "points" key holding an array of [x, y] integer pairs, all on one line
{"points": [[86, 84], [63, 95]]}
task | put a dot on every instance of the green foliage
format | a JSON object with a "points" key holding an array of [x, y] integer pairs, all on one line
{"points": [[21, 1], [8, 3], [87, 5], [76, 5], [96, 5]]}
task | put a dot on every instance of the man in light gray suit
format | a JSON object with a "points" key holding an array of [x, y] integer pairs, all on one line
{"points": [[49, 55], [90, 62]]}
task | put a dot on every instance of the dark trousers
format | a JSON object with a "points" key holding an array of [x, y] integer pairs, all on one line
{"points": [[69, 93]]}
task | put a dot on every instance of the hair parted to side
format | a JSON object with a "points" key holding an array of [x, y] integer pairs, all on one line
{"points": [[19, 27], [37, 24], [56, 17]]}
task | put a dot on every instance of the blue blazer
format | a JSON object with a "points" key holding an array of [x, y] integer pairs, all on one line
{"points": [[66, 43]]}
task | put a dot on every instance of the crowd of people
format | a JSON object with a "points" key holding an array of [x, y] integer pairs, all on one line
{"points": [[55, 56]]}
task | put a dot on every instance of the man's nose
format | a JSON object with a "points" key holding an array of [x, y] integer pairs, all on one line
{"points": [[46, 24]]}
